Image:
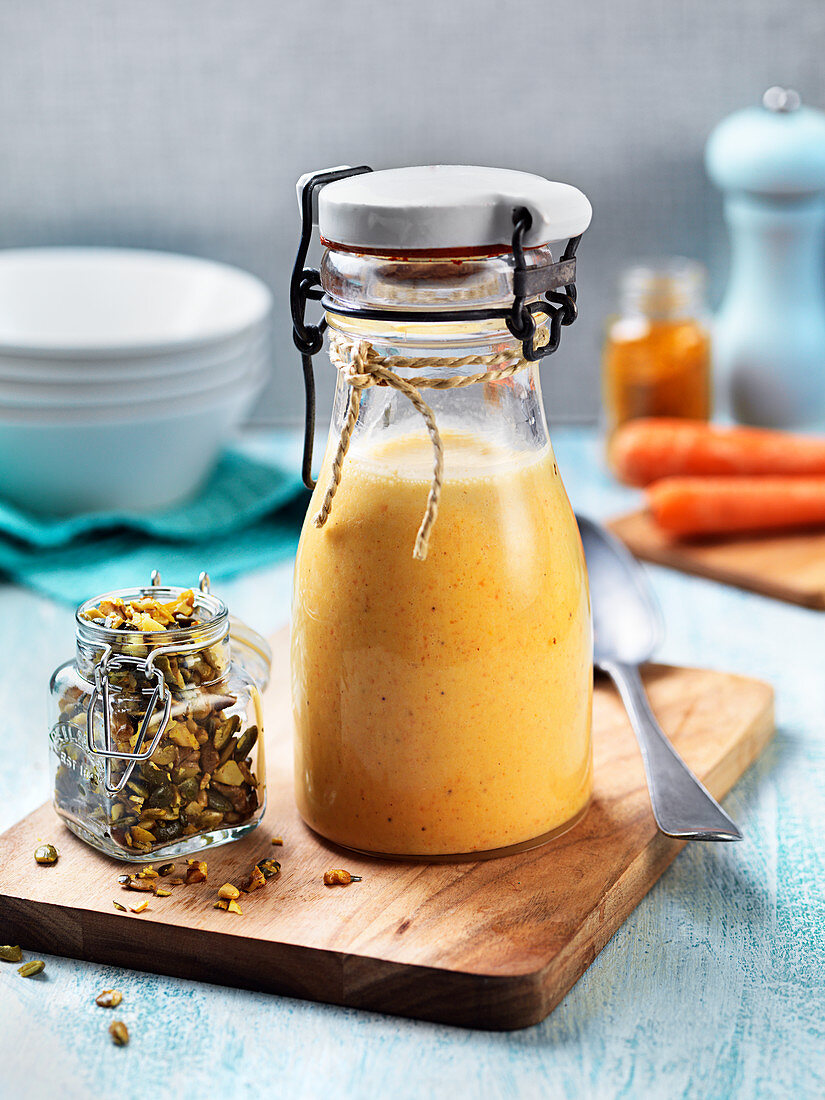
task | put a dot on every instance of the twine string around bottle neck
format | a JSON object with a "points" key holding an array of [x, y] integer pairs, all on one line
{"points": [[362, 366]]}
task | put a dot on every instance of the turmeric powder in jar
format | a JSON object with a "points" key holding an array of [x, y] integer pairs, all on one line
{"points": [[656, 358]]}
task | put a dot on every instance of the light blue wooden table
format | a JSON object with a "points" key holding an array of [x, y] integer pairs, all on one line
{"points": [[715, 986]]}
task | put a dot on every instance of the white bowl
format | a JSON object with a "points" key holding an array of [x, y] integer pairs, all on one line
{"points": [[123, 411], [79, 370], [106, 302], [207, 378], [157, 458]]}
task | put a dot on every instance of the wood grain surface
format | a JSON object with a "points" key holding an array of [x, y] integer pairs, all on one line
{"points": [[492, 944], [787, 567]]}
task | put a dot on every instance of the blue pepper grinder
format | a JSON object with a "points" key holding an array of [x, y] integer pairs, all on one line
{"points": [[769, 332]]}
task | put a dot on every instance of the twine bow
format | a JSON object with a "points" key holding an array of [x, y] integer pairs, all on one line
{"points": [[362, 366]]}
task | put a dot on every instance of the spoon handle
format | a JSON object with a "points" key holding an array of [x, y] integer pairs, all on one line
{"points": [[681, 805]]}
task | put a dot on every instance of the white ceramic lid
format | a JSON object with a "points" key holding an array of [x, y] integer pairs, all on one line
{"points": [[447, 206]]}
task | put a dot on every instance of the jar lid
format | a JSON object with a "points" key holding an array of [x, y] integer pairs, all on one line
{"points": [[446, 206], [775, 149]]}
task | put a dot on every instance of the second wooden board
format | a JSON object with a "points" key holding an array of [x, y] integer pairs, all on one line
{"points": [[788, 567]]}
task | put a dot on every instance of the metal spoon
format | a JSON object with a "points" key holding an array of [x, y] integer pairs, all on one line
{"points": [[627, 627]]}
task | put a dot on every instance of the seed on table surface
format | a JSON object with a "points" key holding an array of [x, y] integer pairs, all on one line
{"points": [[166, 869], [119, 1033], [228, 891], [269, 868], [229, 905], [279, 840], [195, 872], [339, 877], [163, 893], [148, 872], [144, 886], [140, 908], [122, 908], [46, 854], [256, 880], [11, 953], [29, 969], [109, 998]]}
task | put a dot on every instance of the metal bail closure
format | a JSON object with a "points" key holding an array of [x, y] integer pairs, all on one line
{"points": [[160, 696]]}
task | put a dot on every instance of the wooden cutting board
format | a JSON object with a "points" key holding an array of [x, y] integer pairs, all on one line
{"points": [[788, 567], [492, 944]]}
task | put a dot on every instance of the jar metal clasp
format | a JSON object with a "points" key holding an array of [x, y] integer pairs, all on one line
{"points": [[161, 697]]}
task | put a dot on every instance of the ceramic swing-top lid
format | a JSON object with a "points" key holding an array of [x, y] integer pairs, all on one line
{"points": [[445, 206]]}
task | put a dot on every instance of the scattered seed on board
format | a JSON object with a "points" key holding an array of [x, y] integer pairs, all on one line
{"points": [[278, 840], [119, 907], [120, 1036], [229, 905], [195, 872], [140, 908], [46, 854], [229, 892], [109, 998], [339, 877], [11, 953], [29, 969]]}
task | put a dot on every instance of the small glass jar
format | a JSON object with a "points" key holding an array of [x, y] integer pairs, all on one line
{"points": [[656, 359], [156, 735]]}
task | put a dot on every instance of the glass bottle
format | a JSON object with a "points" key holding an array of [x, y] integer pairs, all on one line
{"points": [[656, 359], [156, 736], [442, 706]]}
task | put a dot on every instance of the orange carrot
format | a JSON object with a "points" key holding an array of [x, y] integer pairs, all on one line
{"points": [[722, 505], [642, 451]]}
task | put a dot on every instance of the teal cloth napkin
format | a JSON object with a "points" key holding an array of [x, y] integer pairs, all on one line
{"points": [[248, 515]]}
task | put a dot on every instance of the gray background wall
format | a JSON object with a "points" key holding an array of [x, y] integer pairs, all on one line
{"points": [[183, 124]]}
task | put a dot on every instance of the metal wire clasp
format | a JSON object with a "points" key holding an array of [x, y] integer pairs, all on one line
{"points": [[551, 286], [161, 696], [305, 284]]}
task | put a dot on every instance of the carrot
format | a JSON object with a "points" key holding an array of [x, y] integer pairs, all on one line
{"points": [[642, 451], [722, 505]]}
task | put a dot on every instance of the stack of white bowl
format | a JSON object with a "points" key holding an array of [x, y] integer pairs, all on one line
{"points": [[122, 374]]}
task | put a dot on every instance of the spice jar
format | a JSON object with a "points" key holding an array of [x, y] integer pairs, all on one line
{"points": [[656, 358], [156, 731], [441, 642]]}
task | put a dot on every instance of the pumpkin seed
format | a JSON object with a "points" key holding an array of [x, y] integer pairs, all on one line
{"points": [[246, 742], [46, 854], [119, 907], [269, 868], [166, 869], [11, 953], [229, 892], [119, 1033], [109, 998], [216, 801], [29, 969], [339, 877]]}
